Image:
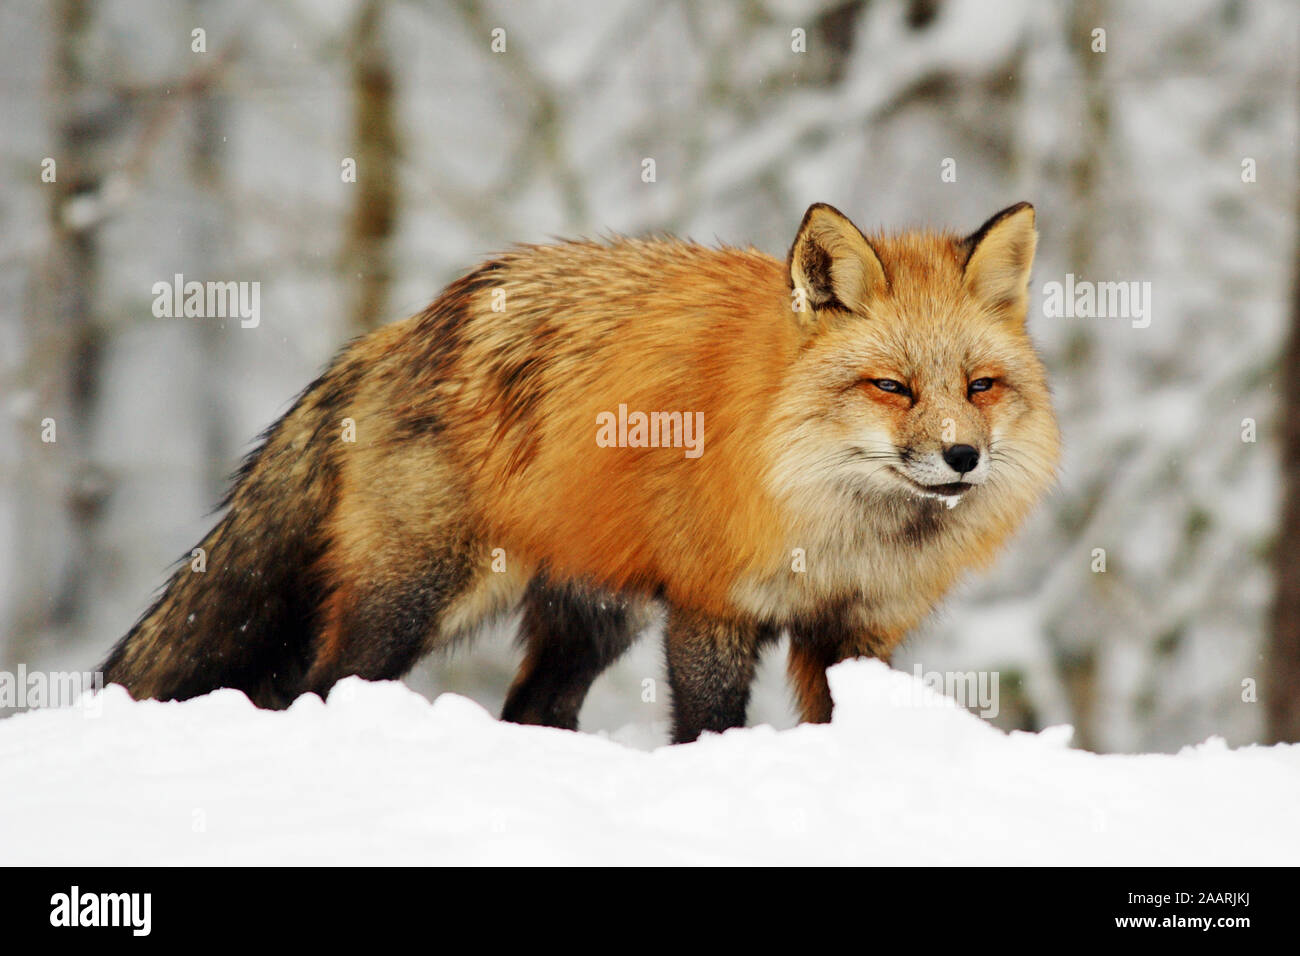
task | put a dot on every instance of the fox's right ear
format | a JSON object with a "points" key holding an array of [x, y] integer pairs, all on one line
{"points": [[832, 265]]}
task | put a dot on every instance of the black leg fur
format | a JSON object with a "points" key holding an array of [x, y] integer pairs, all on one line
{"points": [[570, 634], [710, 668], [389, 627]]}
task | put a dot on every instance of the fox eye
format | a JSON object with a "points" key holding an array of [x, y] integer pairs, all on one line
{"points": [[891, 386], [979, 385]]}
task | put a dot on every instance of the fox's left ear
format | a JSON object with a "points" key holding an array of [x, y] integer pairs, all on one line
{"points": [[999, 256]]}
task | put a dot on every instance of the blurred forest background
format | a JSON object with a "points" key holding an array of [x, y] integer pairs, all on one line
{"points": [[1169, 158]]}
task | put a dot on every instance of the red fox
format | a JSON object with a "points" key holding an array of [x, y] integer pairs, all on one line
{"points": [[819, 447]]}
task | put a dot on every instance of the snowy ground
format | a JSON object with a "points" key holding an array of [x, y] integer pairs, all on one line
{"points": [[380, 775]]}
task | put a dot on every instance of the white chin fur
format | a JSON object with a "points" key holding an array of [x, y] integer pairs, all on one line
{"points": [[951, 501]]}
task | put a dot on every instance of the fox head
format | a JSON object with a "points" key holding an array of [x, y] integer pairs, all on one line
{"points": [[916, 377]]}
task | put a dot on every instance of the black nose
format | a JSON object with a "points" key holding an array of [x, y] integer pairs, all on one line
{"points": [[961, 458]]}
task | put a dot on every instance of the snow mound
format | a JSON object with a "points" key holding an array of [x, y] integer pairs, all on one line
{"points": [[379, 775]]}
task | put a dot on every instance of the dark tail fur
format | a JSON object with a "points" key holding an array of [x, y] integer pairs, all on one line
{"points": [[247, 620]]}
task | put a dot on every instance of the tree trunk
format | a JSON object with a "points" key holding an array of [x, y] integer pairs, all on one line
{"points": [[1282, 677], [366, 262], [61, 491]]}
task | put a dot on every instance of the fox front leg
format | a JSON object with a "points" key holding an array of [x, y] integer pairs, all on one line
{"points": [[815, 646], [710, 668]]}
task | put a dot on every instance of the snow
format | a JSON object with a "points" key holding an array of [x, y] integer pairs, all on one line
{"points": [[380, 775]]}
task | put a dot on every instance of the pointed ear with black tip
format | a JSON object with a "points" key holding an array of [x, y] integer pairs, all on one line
{"points": [[999, 257], [832, 265]]}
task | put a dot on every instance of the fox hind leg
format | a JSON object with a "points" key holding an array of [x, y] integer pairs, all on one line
{"points": [[570, 635], [379, 624]]}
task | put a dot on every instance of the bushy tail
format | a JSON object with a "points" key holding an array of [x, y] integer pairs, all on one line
{"points": [[243, 613]]}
